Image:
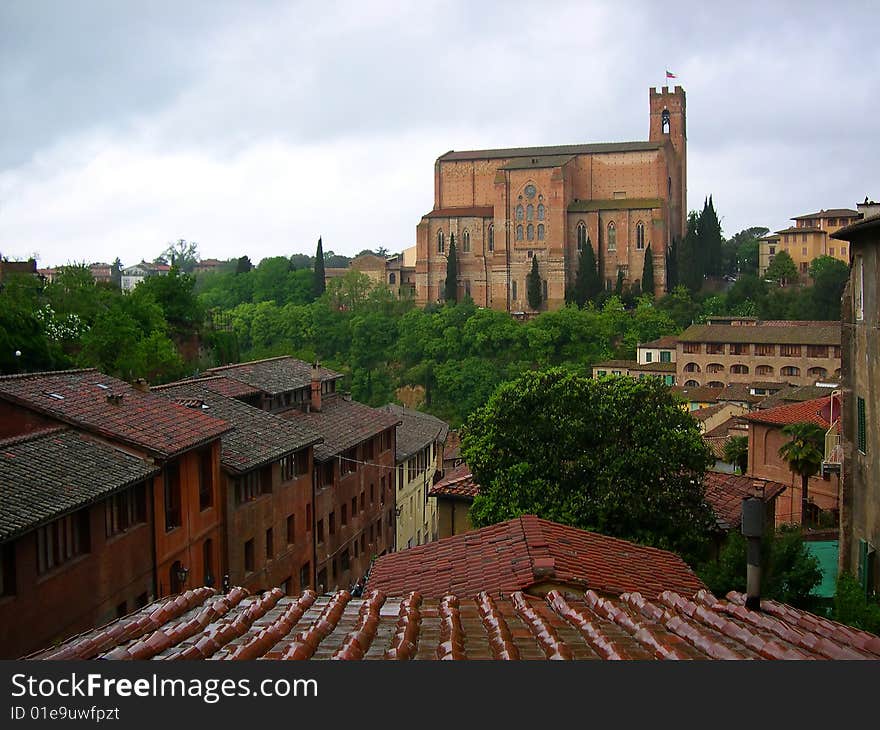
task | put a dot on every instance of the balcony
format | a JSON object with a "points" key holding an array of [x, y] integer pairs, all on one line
{"points": [[833, 458]]}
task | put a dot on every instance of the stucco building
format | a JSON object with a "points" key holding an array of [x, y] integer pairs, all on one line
{"points": [[504, 207], [860, 511], [810, 237], [743, 349]]}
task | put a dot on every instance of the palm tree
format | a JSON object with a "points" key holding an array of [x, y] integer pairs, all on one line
{"points": [[736, 452], [804, 453]]}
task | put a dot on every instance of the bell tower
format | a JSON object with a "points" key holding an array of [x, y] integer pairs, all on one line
{"points": [[668, 122]]}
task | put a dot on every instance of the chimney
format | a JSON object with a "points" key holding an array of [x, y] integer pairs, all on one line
{"points": [[752, 528], [316, 388], [141, 384]]}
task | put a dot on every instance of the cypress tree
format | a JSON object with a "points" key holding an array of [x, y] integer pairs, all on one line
{"points": [[690, 263], [648, 272], [618, 287], [710, 240], [533, 285], [586, 283], [451, 291], [320, 284], [672, 265]]}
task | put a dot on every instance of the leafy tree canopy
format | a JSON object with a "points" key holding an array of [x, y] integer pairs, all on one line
{"points": [[615, 455], [782, 269], [182, 254]]}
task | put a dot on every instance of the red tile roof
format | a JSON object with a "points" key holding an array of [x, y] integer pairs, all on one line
{"points": [[83, 398], [201, 624], [457, 482], [229, 387], [274, 374], [725, 493], [815, 411], [528, 551]]}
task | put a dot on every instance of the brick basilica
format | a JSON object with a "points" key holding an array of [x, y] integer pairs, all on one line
{"points": [[505, 206]]}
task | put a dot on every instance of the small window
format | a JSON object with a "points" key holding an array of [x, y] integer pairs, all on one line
{"points": [[270, 544], [466, 241], [612, 237], [344, 561], [640, 236], [530, 232], [332, 521], [305, 576], [581, 236], [7, 569], [665, 356], [391, 278], [249, 556], [519, 212], [291, 529], [206, 479], [540, 231], [664, 121], [354, 506], [530, 212], [320, 531], [513, 290], [172, 496], [343, 515], [441, 243], [858, 288], [491, 237], [519, 233], [649, 356], [541, 212], [861, 429]]}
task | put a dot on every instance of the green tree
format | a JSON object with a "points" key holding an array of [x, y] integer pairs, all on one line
{"points": [[782, 269], [182, 254], [736, 452], [618, 456], [648, 273], [852, 607], [175, 293], [116, 273], [789, 572], [320, 285], [804, 452], [533, 285], [709, 240], [243, 265], [618, 286], [451, 291], [829, 277], [672, 264], [690, 259]]}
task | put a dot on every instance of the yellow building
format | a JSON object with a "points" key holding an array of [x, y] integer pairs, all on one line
{"points": [[419, 456], [808, 239]]}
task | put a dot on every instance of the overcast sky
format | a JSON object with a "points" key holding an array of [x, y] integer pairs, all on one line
{"points": [[254, 127]]}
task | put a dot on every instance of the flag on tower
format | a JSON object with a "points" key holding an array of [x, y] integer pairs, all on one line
{"points": [[670, 75]]}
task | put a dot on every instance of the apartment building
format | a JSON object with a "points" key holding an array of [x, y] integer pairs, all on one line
{"points": [[811, 236], [860, 508], [743, 349]]}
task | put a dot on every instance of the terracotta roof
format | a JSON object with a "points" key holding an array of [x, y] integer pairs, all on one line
{"points": [[83, 398], [230, 387], [702, 414], [275, 374], [794, 394], [52, 472], [831, 213], [738, 392], [658, 367], [478, 212], [698, 394], [725, 493], [257, 438], [854, 231], [732, 423], [826, 334], [202, 624], [342, 423], [564, 149], [416, 430], [812, 411], [585, 206], [545, 161], [525, 551], [667, 342], [801, 229], [456, 482]]}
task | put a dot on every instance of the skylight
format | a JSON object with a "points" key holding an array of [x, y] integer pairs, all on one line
{"points": [[56, 396]]}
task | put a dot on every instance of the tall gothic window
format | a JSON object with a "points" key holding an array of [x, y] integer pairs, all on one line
{"points": [[491, 237], [519, 212], [519, 233], [530, 232], [540, 231], [612, 237], [441, 244], [466, 241], [581, 236], [530, 212], [640, 235], [541, 212]]}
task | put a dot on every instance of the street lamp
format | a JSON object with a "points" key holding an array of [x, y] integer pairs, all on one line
{"points": [[182, 574]]}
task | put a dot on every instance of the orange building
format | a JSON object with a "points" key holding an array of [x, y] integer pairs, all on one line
{"points": [[504, 207]]}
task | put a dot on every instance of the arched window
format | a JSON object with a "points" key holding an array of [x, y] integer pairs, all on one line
{"points": [[441, 244], [392, 279], [714, 384], [581, 235], [664, 121], [764, 370], [739, 369], [715, 367], [790, 371], [491, 237], [640, 235], [818, 372], [691, 384], [540, 211], [540, 231], [519, 212], [692, 367], [530, 212], [530, 232], [612, 237], [466, 241], [519, 233]]}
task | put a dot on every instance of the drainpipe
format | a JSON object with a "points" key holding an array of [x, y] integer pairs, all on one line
{"points": [[752, 528]]}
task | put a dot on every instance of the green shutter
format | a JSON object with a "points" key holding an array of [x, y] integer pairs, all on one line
{"points": [[665, 356], [669, 379], [862, 438]]}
